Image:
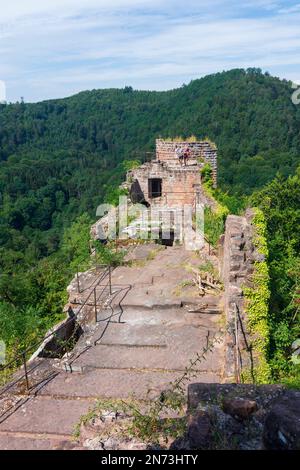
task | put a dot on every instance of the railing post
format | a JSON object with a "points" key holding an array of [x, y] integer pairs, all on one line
{"points": [[25, 371], [95, 304], [109, 281]]}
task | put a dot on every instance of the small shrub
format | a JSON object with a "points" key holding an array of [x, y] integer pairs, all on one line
{"points": [[128, 165], [206, 174], [214, 226], [106, 254]]}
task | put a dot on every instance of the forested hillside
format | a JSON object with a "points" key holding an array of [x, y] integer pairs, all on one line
{"points": [[280, 202], [59, 159]]}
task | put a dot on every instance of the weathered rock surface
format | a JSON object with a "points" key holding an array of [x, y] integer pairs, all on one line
{"points": [[239, 256], [199, 393], [236, 413], [144, 347], [199, 430], [282, 425]]}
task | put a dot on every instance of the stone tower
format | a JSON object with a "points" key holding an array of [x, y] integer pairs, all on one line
{"points": [[167, 181]]}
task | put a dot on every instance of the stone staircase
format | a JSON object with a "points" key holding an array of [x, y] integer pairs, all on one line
{"points": [[160, 327]]}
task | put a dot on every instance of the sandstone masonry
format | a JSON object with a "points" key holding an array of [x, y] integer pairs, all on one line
{"points": [[164, 182], [239, 255], [199, 150]]}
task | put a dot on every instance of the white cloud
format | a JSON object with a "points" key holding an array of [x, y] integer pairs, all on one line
{"points": [[20, 8], [55, 48]]}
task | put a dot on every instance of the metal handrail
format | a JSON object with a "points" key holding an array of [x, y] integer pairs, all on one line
{"points": [[239, 329], [106, 273], [80, 291], [120, 312], [68, 364], [237, 345], [108, 319], [39, 343], [22, 356]]}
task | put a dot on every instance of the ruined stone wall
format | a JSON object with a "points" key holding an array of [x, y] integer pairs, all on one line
{"points": [[179, 185], [165, 152], [239, 256]]}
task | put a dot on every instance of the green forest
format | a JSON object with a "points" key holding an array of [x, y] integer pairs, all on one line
{"points": [[60, 159]]}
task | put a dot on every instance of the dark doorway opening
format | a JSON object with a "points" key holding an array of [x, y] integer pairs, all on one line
{"points": [[154, 187], [166, 239]]}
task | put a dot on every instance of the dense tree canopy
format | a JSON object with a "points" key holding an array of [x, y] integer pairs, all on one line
{"points": [[280, 202], [61, 158]]}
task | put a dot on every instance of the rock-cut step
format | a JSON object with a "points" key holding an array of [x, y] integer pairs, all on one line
{"points": [[29, 441], [50, 416], [190, 314], [153, 357], [117, 384], [187, 337]]}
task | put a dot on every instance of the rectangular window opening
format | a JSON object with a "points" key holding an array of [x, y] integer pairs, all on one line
{"points": [[154, 187]]}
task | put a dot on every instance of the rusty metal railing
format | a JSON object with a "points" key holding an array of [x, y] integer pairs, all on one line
{"points": [[21, 358], [237, 345]]}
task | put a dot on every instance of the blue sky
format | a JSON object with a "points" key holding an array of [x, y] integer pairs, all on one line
{"points": [[54, 48]]}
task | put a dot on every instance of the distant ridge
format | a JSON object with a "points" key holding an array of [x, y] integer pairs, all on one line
{"points": [[250, 116]]}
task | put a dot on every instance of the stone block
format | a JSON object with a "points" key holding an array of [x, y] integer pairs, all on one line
{"points": [[240, 408], [199, 430], [282, 425]]}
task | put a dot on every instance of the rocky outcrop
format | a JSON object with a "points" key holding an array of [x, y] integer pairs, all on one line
{"points": [[219, 417], [282, 425], [236, 417], [242, 416], [199, 429]]}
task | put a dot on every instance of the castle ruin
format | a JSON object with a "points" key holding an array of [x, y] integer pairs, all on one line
{"points": [[167, 181], [134, 329]]}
